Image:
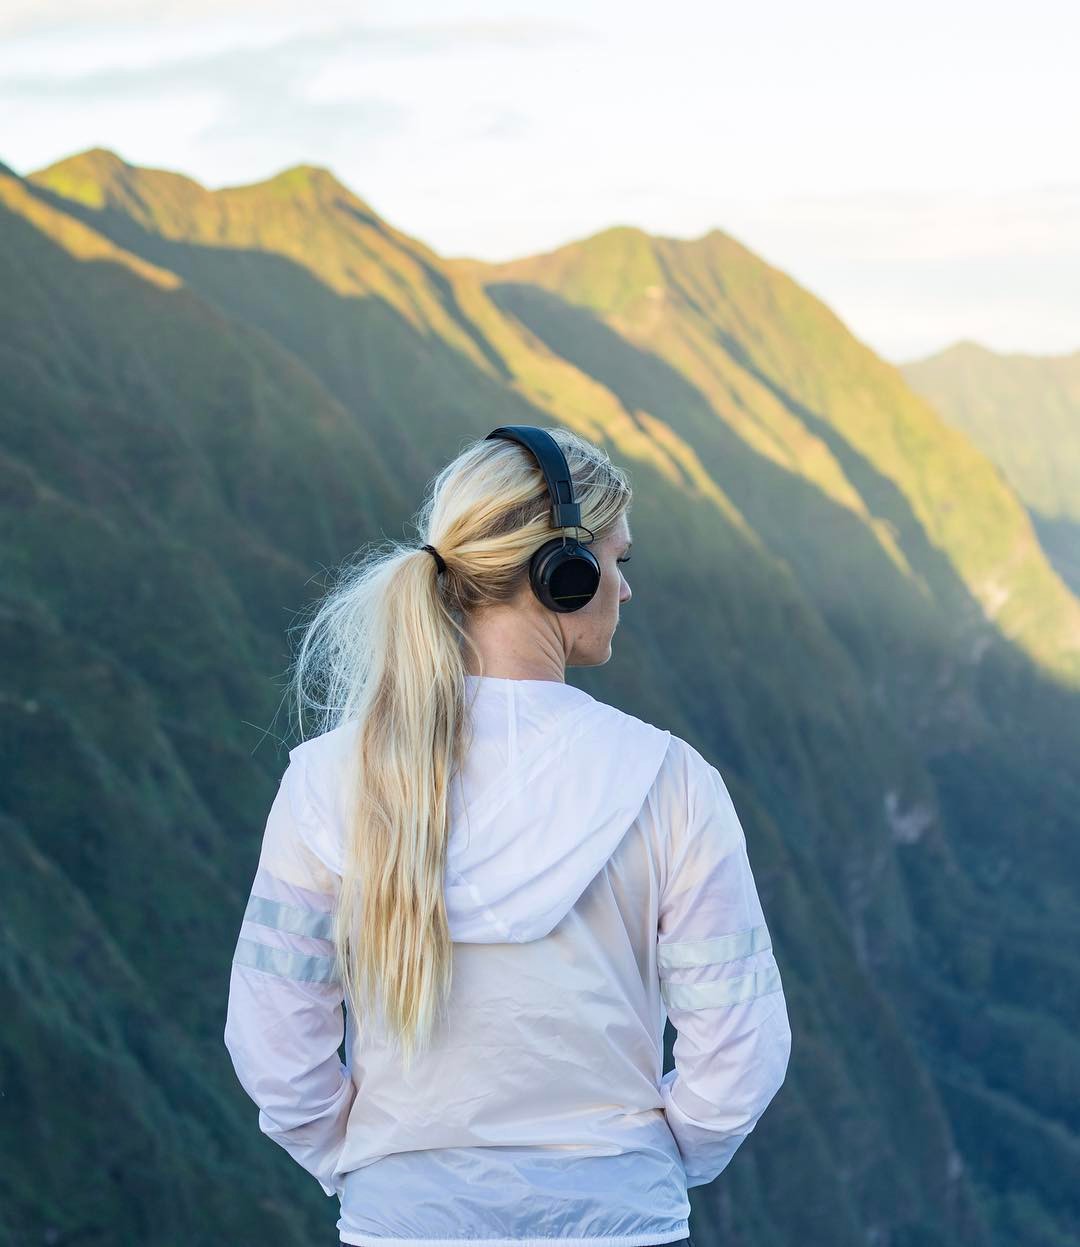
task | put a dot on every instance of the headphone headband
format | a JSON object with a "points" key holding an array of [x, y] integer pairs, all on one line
{"points": [[565, 509]]}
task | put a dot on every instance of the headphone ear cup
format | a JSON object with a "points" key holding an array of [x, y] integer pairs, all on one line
{"points": [[564, 575]]}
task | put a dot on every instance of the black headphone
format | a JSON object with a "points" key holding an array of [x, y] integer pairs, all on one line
{"points": [[564, 574]]}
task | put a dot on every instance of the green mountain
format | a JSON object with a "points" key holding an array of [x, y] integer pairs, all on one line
{"points": [[211, 396], [1023, 412]]}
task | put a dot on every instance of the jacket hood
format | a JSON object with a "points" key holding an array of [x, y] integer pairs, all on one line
{"points": [[549, 787]]}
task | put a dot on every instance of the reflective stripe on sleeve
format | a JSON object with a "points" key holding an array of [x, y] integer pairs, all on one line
{"points": [[289, 918], [714, 951], [284, 962], [723, 992]]}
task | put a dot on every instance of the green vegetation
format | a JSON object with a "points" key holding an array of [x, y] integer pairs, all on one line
{"points": [[1023, 412]]}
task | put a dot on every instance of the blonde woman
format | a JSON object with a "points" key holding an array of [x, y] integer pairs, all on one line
{"points": [[509, 885]]}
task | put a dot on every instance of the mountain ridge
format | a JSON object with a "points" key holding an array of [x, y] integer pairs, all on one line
{"points": [[1022, 411]]}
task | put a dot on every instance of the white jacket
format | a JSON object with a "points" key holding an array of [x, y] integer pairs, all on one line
{"points": [[597, 880]]}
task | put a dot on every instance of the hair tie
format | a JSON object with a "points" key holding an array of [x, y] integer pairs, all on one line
{"points": [[437, 556]]}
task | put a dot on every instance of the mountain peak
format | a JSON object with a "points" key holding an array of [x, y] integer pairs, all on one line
{"points": [[720, 238], [968, 346], [85, 177], [961, 349], [306, 179], [97, 161], [310, 171], [309, 183], [622, 241], [625, 233]]}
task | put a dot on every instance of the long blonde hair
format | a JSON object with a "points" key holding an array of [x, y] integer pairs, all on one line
{"points": [[385, 647]]}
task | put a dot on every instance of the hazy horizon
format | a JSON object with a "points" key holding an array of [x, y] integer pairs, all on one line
{"points": [[880, 164]]}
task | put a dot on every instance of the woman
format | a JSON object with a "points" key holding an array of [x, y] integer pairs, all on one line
{"points": [[510, 884]]}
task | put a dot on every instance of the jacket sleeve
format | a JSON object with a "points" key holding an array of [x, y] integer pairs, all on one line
{"points": [[285, 1019], [718, 976]]}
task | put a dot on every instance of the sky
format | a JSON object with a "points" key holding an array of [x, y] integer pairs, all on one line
{"points": [[915, 166]]}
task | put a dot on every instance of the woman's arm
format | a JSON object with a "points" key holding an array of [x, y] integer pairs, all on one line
{"points": [[719, 980], [285, 1019]]}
